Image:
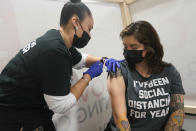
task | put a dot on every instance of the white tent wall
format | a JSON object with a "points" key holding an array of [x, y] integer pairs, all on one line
{"points": [[175, 22], [22, 21]]}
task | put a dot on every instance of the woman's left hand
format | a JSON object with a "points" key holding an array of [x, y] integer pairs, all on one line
{"points": [[112, 64], [95, 70]]}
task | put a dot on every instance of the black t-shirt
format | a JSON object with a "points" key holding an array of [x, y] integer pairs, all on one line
{"points": [[148, 99], [44, 66]]}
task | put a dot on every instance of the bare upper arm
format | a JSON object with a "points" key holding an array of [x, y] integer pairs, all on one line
{"points": [[116, 86], [116, 89]]}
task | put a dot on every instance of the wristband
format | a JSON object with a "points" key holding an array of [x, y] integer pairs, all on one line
{"points": [[87, 80], [103, 59]]}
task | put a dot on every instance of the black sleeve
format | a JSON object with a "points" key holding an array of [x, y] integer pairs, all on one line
{"points": [[124, 72], [55, 73], [76, 56], [176, 82]]}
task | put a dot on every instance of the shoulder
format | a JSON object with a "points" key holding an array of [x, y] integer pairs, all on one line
{"points": [[51, 50], [173, 74], [124, 65], [171, 70], [51, 42], [51, 38], [125, 69], [52, 34]]}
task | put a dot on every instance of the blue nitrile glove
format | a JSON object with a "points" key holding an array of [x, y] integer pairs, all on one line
{"points": [[112, 64], [95, 70]]}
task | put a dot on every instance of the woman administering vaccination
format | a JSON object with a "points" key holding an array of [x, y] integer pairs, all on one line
{"points": [[36, 82]]}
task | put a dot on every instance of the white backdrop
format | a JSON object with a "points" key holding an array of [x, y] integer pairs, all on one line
{"points": [[22, 21], [175, 22]]}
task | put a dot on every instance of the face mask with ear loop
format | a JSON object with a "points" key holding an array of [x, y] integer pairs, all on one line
{"points": [[81, 42], [133, 56]]}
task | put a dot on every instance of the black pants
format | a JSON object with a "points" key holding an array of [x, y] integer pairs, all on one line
{"points": [[112, 127], [26, 121]]}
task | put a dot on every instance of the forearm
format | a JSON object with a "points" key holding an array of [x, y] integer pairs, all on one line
{"points": [[122, 122], [176, 118], [91, 60], [175, 121], [80, 86]]}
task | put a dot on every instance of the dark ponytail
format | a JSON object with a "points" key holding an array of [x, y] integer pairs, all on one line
{"points": [[75, 1], [74, 7]]}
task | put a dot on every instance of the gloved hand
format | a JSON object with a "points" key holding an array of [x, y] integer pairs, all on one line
{"points": [[95, 70], [112, 64]]}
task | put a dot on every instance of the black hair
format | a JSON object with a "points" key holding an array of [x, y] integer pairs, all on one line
{"points": [[74, 7]]}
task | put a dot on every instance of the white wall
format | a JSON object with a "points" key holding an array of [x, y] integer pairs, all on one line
{"points": [[22, 21], [175, 22]]}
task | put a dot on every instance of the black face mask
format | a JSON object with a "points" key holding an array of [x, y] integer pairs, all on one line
{"points": [[81, 42], [133, 56]]}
